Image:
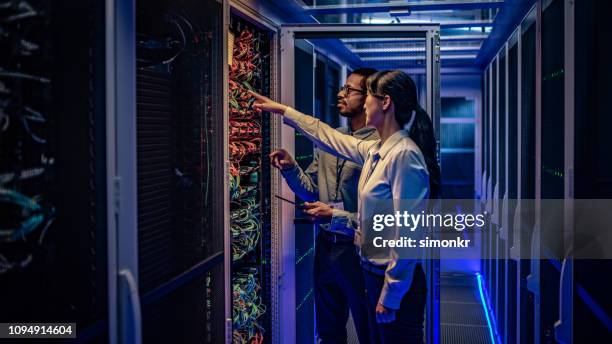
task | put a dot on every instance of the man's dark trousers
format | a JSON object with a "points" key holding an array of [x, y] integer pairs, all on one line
{"points": [[338, 287]]}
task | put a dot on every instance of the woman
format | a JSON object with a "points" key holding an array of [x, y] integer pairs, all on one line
{"points": [[394, 168]]}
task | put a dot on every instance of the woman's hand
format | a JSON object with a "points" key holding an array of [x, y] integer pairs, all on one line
{"points": [[263, 103], [384, 314]]}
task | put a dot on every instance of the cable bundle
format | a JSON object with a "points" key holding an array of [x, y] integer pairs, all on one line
{"points": [[240, 102], [28, 206], [244, 124], [241, 149], [244, 130], [25, 158], [234, 185], [245, 145], [247, 308], [34, 217], [245, 227]]}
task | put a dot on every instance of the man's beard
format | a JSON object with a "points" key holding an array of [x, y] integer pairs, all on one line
{"points": [[347, 113]]}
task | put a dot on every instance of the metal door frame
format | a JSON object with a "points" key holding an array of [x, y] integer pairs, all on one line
{"points": [[124, 323], [431, 32]]}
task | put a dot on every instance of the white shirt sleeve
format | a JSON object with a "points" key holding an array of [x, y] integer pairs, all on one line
{"points": [[329, 139]]}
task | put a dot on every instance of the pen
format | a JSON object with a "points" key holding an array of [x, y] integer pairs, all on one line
{"points": [[286, 200]]}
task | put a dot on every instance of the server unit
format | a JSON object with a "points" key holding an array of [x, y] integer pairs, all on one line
{"points": [[552, 135], [53, 180], [527, 174], [510, 204], [499, 292], [484, 156], [492, 230]]}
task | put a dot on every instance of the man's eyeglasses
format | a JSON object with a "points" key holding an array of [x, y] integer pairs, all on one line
{"points": [[346, 89]]}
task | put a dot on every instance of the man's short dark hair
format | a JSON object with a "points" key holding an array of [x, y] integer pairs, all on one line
{"points": [[365, 72]]}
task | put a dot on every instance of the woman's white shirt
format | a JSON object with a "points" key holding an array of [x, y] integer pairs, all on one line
{"points": [[395, 170]]}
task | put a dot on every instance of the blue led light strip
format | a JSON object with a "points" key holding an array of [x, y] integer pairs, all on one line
{"points": [[485, 305], [299, 260], [308, 294]]}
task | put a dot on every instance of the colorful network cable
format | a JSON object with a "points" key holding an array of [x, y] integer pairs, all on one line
{"points": [[247, 307], [245, 145]]}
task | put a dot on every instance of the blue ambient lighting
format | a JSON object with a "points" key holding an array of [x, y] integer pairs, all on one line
{"points": [[485, 307]]}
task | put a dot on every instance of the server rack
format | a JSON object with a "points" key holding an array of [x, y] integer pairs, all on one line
{"points": [[556, 117], [457, 144], [492, 232], [254, 268], [527, 170], [54, 200], [215, 137], [552, 160], [511, 205], [501, 168], [84, 112], [484, 264], [484, 136], [505, 272], [591, 173], [179, 133]]}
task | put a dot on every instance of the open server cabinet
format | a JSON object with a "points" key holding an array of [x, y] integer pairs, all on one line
{"points": [[251, 234], [201, 246], [206, 219], [291, 44]]}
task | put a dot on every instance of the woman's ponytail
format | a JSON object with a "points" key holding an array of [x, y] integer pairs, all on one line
{"points": [[422, 133]]}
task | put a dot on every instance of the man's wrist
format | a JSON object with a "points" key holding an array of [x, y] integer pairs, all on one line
{"points": [[290, 167]]}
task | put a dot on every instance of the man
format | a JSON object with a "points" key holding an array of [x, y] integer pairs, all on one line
{"points": [[329, 185]]}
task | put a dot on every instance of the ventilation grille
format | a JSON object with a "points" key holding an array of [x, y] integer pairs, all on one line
{"points": [[460, 334], [155, 176]]}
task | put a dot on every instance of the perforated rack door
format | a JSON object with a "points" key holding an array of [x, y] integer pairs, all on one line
{"points": [[180, 163]]}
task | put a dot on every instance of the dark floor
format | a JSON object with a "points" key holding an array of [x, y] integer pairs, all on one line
{"points": [[462, 317]]}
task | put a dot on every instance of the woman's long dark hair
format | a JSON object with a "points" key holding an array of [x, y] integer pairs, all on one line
{"points": [[402, 91]]}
